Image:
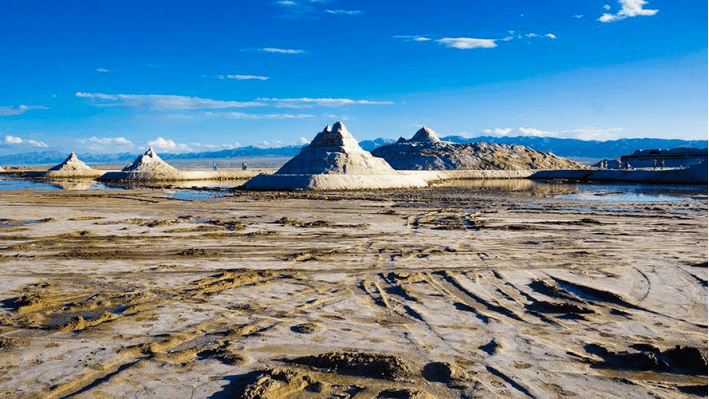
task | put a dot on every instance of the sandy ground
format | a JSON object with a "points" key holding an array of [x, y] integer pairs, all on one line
{"points": [[447, 293]]}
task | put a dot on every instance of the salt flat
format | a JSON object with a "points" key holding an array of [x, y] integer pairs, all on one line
{"points": [[449, 292]]}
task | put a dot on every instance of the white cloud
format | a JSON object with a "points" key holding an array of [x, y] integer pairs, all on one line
{"points": [[282, 50], [344, 12], [169, 145], [498, 131], [20, 109], [104, 70], [106, 144], [578, 16], [629, 9], [305, 102], [243, 77], [287, 3], [607, 7], [532, 35], [269, 144], [14, 140], [466, 43], [108, 141], [528, 131], [159, 101], [550, 36], [303, 140]]}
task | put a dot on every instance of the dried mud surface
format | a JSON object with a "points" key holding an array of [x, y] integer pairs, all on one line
{"points": [[440, 293]]}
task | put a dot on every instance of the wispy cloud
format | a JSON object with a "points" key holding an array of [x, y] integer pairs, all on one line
{"points": [[20, 109], [550, 36], [106, 144], [14, 140], [344, 12], [282, 50], [164, 102], [103, 70], [242, 115], [414, 38], [308, 9], [243, 77], [305, 102], [629, 9], [578, 16], [466, 43], [109, 141]]}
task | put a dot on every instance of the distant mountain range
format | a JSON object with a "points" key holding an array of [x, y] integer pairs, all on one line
{"points": [[571, 148]]}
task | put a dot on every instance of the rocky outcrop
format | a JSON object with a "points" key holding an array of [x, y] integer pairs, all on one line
{"points": [[426, 152], [334, 161]]}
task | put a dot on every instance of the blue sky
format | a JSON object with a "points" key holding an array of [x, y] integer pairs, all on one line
{"points": [[99, 76]]}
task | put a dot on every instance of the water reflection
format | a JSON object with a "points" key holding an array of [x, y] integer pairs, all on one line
{"points": [[521, 186]]}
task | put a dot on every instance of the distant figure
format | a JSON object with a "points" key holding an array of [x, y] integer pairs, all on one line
{"points": [[214, 166], [663, 164], [654, 163], [627, 165], [243, 165], [620, 164]]}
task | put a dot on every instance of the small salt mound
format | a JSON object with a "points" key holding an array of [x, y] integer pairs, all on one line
{"points": [[72, 163], [72, 167], [425, 136], [148, 167], [425, 151], [334, 161]]}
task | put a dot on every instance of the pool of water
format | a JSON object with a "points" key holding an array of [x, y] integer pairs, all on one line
{"points": [[591, 192]]}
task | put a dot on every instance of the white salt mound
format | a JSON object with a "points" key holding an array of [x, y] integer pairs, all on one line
{"points": [[425, 151], [72, 167], [147, 167], [334, 161], [335, 151]]}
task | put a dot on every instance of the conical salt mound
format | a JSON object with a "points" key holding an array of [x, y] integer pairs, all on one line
{"points": [[335, 151], [72, 163], [147, 167], [72, 167], [425, 136], [149, 162], [334, 161]]}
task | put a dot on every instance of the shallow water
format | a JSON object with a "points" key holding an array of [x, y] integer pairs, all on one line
{"points": [[592, 192]]}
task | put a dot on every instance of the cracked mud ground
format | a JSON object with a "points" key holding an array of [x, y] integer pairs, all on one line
{"points": [[409, 294]]}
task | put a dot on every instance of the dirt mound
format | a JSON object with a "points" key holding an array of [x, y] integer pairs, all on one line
{"points": [[362, 364], [426, 152]]}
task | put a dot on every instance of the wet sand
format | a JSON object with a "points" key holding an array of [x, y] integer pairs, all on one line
{"points": [[449, 292]]}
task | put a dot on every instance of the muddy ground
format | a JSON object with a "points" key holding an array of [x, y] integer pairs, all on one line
{"points": [[447, 293]]}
